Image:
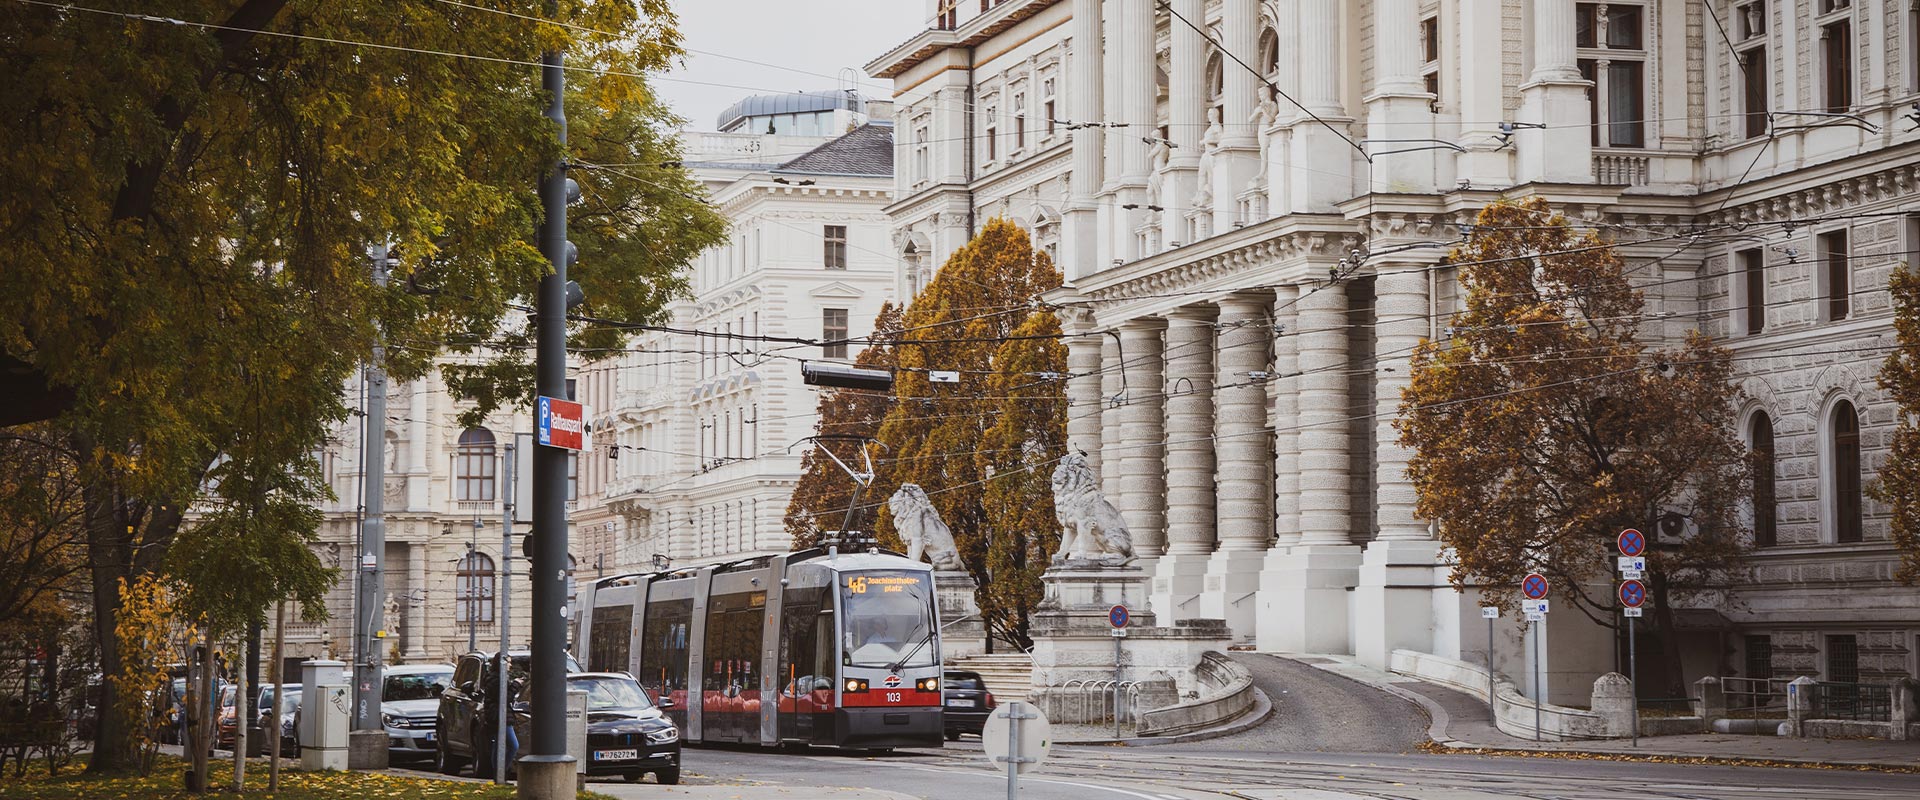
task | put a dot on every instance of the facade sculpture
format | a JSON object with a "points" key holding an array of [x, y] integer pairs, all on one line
{"points": [[922, 529], [1091, 527]]}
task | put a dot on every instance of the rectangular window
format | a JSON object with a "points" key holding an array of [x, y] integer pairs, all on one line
{"points": [[1756, 79], [991, 139], [1753, 272], [1833, 255], [836, 246], [1626, 110], [833, 332], [1430, 39], [1836, 59], [1759, 656], [1613, 38], [1048, 110], [1843, 659], [573, 477], [1020, 132], [1752, 19]]}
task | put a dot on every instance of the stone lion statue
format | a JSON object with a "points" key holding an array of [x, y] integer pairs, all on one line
{"points": [[1091, 528], [922, 529]]}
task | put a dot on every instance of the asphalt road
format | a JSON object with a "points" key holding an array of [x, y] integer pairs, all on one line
{"points": [[1315, 711]]}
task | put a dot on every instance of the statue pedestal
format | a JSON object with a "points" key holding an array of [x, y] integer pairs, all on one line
{"points": [[1073, 641], [963, 632]]}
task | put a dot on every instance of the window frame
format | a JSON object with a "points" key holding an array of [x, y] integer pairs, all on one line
{"points": [[1843, 473], [1835, 52], [475, 467], [829, 333], [1750, 286], [833, 241], [1833, 277], [1597, 60], [1766, 477], [475, 589]]}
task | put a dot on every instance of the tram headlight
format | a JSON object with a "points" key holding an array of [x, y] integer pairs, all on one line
{"points": [[927, 684], [856, 685]]}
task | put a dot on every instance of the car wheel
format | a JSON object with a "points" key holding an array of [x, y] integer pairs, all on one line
{"points": [[953, 736], [634, 777], [668, 777], [443, 761]]}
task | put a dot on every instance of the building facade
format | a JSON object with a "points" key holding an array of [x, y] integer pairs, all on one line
{"points": [[1252, 200], [700, 437]]}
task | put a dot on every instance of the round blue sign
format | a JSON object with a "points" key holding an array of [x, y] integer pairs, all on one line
{"points": [[1633, 593], [1118, 616], [1632, 542], [1534, 587]]}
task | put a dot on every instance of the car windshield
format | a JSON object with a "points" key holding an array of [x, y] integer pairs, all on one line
{"points": [[611, 694], [266, 697], [889, 617], [416, 686], [962, 681]]}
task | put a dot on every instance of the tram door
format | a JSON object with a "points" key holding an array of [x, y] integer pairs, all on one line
{"points": [[806, 659], [730, 696]]}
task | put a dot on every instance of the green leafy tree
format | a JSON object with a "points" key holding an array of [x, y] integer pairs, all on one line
{"points": [[191, 202], [1899, 482], [935, 434], [821, 496], [1543, 427]]}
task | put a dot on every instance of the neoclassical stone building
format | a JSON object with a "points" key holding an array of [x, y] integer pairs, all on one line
{"points": [[1252, 201]]}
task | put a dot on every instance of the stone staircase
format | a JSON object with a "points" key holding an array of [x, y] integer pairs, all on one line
{"points": [[1009, 676]]}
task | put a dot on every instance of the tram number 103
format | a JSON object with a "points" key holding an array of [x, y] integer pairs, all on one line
{"points": [[893, 697]]}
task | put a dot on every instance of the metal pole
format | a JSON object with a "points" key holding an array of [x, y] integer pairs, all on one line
{"points": [[473, 600], [1633, 677], [548, 624], [373, 537], [1539, 689], [1013, 749], [1116, 684], [506, 610], [1491, 712]]}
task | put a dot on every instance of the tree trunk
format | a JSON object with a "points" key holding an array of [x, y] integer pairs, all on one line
{"points": [[272, 728], [206, 715], [108, 554], [240, 724], [1671, 680]]}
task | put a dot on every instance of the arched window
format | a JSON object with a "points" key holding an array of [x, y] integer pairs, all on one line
{"points": [[473, 590], [1269, 54], [1765, 530], [1846, 473], [1216, 82], [474, 472]]}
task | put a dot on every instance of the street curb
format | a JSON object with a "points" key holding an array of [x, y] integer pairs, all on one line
{"points": [[1262, 709], [1440, 721]]}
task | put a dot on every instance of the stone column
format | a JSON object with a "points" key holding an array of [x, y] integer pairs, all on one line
{"points": [[1239, 156], [1084, 409], [1114, 31], [1400, 570], [1143, 486], [1180, 576], [1399, 107], [1112, 375], [1481, 101], [1187, 116], [1286, 466], [413, 648], [419, 417], [1138, 89], [1246, 526], [1322, 158], [1322, 567], [1080, 228], [1554, 96]]}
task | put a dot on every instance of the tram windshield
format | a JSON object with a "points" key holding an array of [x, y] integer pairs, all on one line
{"points": [[888, 619]]}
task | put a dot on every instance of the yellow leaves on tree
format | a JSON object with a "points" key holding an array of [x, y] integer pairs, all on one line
{"points": [[1543, 426], [1899, 483], [148, 633], [978, 317]]}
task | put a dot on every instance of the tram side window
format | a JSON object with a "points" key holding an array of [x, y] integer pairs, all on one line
{"points": [[612, 644], [733, 639], [801, 640], [663, 649]]}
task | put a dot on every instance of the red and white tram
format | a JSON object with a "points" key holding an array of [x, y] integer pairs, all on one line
{"points": [[817, 647]]}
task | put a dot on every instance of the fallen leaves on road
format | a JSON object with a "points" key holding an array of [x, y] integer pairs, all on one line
{"points": [[166, 783], [1718, 761]]}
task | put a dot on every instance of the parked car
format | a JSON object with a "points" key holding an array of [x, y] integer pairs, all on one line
{"points": [[228, 730], [409, 702], [289, 745], [627, 733], [966, 701], [466, 721]]}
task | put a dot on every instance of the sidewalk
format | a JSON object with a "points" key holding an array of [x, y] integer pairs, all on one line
{"points": [[1460, 722]]}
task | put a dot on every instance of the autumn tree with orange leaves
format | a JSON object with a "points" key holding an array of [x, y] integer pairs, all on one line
{"points": [[820, 498], [1899, 483], [983, 448], [1542, 426]]}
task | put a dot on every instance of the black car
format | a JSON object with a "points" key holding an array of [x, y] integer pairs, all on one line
{"points": [[465, 722], [966, 703], [627, 733]]}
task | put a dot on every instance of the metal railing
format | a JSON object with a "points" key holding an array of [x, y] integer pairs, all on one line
{"points": [[1755, 698], [1850, 701], [1108, 694]]}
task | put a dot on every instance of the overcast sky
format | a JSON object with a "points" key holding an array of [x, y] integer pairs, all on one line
{"points": [[812, 36]]}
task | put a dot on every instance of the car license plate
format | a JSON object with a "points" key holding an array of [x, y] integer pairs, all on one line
{"points": [[615, 755], [958, 703], [428, 737]]}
